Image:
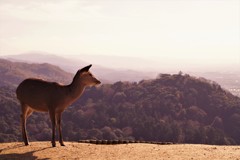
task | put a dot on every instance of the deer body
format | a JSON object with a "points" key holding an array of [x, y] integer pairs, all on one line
{"points": [[43, 96], [51, 97]]}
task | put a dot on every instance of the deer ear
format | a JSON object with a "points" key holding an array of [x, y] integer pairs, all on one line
{"points": [[85, 69]]}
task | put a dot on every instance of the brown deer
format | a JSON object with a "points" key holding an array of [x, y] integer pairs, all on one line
{"points": [[51, 97]]}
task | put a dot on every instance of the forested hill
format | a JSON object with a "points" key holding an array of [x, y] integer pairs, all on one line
{"points": [[12, 73], [177, 108]]}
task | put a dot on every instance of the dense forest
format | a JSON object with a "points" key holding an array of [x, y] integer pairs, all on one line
{"points": [[176, 108]]}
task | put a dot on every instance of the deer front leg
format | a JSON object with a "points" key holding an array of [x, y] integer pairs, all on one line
{"points": [[24, 134], [59, 115], [53, 120], [26, 112]]}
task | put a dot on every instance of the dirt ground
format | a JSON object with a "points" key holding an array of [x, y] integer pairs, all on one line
{"points": [[137, 151]]}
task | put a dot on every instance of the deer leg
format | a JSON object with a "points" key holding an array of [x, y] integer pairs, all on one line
{"points": [[59, 115], [53, 120], [26, 112], [23, 125]]}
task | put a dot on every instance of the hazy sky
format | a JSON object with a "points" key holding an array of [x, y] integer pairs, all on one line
{"points": [[207, 31]]}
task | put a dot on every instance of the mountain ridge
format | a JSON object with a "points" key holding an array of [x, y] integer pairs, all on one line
{"points": [[109, 75], [12, 73], [104, 70]]}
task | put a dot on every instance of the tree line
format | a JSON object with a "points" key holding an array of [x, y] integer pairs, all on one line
{"points": [[175, 108]]}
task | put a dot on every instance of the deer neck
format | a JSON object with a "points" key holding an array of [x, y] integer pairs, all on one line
{"points": [[75, 89]]}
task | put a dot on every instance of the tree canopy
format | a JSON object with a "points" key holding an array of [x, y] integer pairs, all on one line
{"points": [[177, 108]]}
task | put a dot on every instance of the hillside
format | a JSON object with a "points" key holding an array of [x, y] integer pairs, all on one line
{"points": [[176, 108], [12, 73], [74, 150]]}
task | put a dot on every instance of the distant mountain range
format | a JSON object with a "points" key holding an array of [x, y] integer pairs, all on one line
{"points": [[69, 65], [108, 75], [12, 73], [110, 69]]}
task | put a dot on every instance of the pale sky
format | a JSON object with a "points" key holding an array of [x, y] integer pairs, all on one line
{"points": [[207, 31]]}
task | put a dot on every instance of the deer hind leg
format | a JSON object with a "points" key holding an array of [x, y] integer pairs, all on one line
{"points": [[26, 112], [59, 116], [53, 120]]}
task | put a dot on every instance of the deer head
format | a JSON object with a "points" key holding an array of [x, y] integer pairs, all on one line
{"points": [[87, 78]]}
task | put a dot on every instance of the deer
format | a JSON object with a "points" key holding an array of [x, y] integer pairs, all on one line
{"points": [[52, 97]]}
